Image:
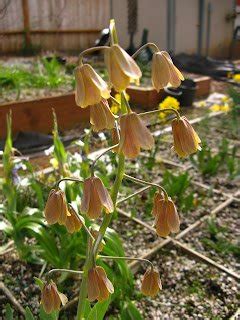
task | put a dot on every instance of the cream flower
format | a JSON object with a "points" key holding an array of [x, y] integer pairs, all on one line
{"points": [[166, 216], [95, 197], [122, 69], [90, 87], [186, 140], [164, 72], [56, 207], [99, 286], [51, 298], [134, 135], [151, 283], [101, 116]]}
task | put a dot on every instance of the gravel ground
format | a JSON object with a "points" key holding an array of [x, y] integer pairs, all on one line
{"points": [[227, 224], [191, 290]]}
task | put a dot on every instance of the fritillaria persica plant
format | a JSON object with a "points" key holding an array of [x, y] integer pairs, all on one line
{"points": [[130, 136]]}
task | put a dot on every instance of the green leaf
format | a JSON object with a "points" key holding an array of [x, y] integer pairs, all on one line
{"points": [[45, 316], [39, 282], [9, 312], [130, 312], [28, 314], [99, 310]]}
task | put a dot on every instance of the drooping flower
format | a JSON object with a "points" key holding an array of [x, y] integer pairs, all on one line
{"points": [[164, 72], [166, 216], [51, 298], [186, 140], [99, 286], [101, 116], [134, 135], [90, 87], [122, 69], [56, 207], [72, 223], [151, 283], [95, 197]]}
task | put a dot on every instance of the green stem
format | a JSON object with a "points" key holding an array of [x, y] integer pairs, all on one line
{"points": [[99, 156], [151, 45], [92, 252], [90, 50], [139, 181], [68, 179], [159, 110], [126, 258], [49, 273]]}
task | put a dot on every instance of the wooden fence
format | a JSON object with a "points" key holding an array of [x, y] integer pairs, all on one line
{"points": [[63, 25]]}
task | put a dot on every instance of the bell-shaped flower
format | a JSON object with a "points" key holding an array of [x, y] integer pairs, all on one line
{"points": [[90, 87], [56, 207], [72, 222], [134, 135], [164, 72], [95, 197], [151, 283], [99, 286], [51, 298], [122, 69], [101, 116], [166, 216], [186, 140]]}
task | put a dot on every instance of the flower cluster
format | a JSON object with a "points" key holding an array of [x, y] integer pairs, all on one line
{"points": [[130, 134], [168, 102]]}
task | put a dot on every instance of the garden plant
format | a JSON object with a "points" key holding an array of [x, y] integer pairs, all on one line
{"points": [[98, 205]]}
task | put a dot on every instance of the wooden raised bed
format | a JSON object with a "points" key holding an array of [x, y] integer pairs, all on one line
{"points": [[36, 115], [150, 98]]}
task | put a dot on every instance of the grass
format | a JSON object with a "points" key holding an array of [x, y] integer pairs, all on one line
{"points": [[42, 74]]}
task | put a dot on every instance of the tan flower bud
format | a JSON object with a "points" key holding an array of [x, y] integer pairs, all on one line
{"points": [[151, 283], [101, 116], [90, 87], [122, 69], [51, 299], [99, 286], [186, 140], [95, 197], [166, 216], [72, 223], [164, 72], [56, 207], [134, 135]]}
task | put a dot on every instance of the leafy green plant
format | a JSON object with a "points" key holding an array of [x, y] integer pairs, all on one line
{"points": [[178, 187], [218, 240]]}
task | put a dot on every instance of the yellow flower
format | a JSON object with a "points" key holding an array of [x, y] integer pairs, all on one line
{"points": [[115, 107], [186, 141], [225, 99], [164, 72], [151, 283], [236, 77], [225, 108], [168, 102], [90, 87], [215, 107], [202, 104], [122, 69]]}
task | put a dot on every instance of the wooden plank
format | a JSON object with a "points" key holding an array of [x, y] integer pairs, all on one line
{"points": [[36, 115]]}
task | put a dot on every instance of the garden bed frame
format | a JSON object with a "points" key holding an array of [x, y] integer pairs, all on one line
{"points": [[36, 115]]}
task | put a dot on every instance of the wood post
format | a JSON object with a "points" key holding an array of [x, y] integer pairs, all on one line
{"points": [[26, 23]]}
